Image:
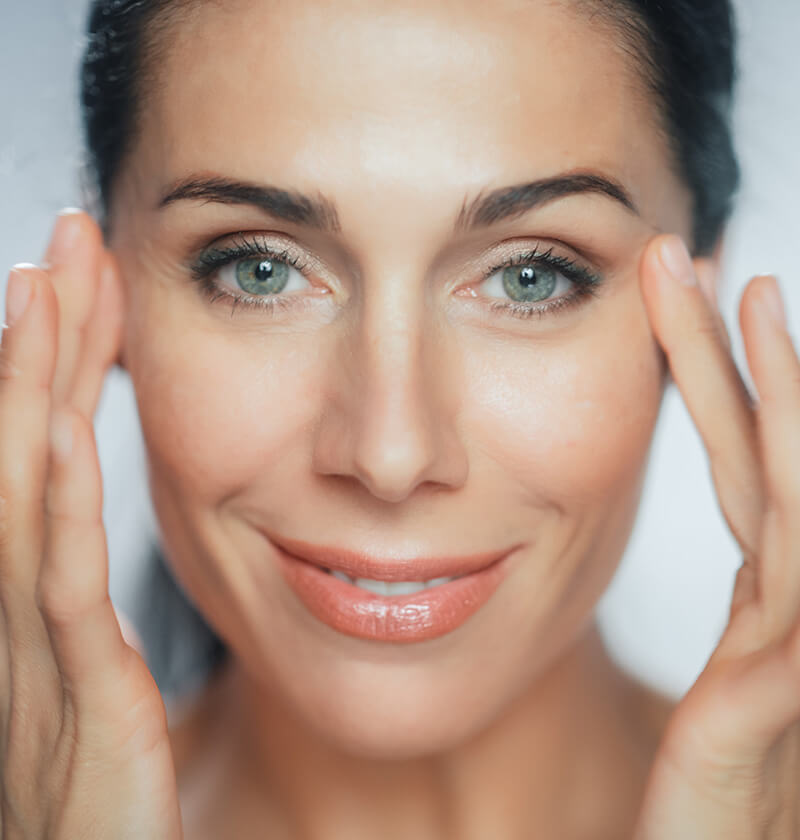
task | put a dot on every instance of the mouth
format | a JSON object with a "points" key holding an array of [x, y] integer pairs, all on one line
{"points": [[393, 600]]}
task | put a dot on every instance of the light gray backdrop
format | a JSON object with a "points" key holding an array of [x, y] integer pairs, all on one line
{"points": [[668, 602]]}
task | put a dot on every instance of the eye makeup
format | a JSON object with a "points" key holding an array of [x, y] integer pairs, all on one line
{"points": [[206, 267]]}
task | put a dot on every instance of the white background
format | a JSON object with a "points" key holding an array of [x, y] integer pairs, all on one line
{"points": [[668, 602]]}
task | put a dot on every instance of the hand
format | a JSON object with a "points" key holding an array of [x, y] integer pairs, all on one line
{"points": [[728, 767], [83, 728]]}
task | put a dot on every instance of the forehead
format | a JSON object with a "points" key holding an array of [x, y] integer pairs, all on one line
{"points": [[415, 97]]}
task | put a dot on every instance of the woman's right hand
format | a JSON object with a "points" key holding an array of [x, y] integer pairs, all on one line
{"points": [[83, 728]]}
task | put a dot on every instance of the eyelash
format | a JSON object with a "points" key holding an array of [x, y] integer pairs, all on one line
{"points": [[211, 261]]}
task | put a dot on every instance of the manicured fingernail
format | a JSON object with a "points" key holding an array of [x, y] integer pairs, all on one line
{"points": [[773, 302], [65, 234], [18, 295], [676, 260], [61, 434]]}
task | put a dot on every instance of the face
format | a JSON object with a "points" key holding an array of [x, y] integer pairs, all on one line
{"points": [[392, 401]]}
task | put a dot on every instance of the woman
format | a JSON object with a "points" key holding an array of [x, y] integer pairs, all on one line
{"points": [[399, 287]]}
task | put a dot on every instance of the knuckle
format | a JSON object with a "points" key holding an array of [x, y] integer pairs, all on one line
{"points": [[56, 610], [54, 601], [63, 598], [706, 328]]}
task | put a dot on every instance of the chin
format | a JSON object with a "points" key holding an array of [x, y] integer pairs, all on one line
{"points": [[392, 712], [393, 734]]}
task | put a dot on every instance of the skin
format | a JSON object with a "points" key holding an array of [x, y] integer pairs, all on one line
{"points": [[397, 399], [411, 412]]}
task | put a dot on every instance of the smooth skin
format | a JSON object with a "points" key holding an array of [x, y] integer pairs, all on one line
{"points": [[727, 766], [483, 730]]}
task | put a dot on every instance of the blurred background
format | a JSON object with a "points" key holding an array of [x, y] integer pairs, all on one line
{"points": [[668, 602]]}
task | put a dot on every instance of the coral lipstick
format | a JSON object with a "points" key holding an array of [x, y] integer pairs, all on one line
{"points": [[325, 581]]}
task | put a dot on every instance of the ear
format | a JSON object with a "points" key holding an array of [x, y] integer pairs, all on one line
{"points": [[709, 272]]}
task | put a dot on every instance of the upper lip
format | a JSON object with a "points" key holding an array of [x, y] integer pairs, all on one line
{"points": [[357, 564]]}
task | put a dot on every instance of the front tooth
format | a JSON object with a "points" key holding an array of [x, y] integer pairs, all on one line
{"points": [[384, 587], [438, 581], [341, 576], [379, 587], [402, 587]]}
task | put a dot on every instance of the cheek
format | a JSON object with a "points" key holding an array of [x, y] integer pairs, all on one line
{"points": [[571, 420], [217, 410]]}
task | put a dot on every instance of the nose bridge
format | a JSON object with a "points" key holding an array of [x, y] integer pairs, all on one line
{"points": [[393, 410]]}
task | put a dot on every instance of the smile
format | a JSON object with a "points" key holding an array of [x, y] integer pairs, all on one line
{"points": [[391, 601]]}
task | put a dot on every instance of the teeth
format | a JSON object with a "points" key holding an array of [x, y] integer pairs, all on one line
{"points": [[383, 587]]}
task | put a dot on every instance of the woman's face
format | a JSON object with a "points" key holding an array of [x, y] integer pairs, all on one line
{"points": [[391, 407]]}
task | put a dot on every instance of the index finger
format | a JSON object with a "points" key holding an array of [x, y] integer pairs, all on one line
{"points": [[705, 372]]}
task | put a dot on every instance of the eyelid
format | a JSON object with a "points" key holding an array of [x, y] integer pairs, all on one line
{"points": [[214, 258], [243, 245]]}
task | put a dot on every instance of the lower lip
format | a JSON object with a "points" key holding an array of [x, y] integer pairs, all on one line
{"points": [[426, 614]]}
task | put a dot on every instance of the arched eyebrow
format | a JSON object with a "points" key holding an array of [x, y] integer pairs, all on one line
{"points": [[292, 206], [321, 213], [509, 202]]}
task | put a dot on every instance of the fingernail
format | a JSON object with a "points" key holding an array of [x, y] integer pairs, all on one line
{"points": [[61, 434], [65, 233], [773, 302], [18, 295], [676, 260]]}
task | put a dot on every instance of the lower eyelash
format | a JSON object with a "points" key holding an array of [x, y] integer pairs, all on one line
{"points": [[530, 310], [269, 304]]}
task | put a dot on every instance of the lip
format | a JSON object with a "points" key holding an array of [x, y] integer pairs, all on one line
{"points": [[359, 565], [427, 614]]}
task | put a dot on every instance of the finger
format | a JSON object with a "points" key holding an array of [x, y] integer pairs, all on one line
{"points": [[73, 261], [72, 589], [707, 277], [102, 342], [27, 362], [775, 369], [129, 632], [711, 386]]}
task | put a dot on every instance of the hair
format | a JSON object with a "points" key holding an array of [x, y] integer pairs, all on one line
{"points": [[684, 50]]}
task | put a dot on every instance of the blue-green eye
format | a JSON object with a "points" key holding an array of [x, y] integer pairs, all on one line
{"points": [[261, 276], [528, 282]]}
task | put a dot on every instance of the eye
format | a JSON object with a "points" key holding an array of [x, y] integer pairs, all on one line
{"points": [[539, 283], [250, 272], [261, 276], [527, 283]]}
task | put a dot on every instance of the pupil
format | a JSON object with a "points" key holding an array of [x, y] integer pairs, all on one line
{"points": [[264, 270], [527, 276]]}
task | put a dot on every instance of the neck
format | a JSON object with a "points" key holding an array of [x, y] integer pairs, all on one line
{"points": [[566, 758]]}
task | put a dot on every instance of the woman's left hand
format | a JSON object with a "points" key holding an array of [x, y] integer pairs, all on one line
{"points": [[728, 766]]}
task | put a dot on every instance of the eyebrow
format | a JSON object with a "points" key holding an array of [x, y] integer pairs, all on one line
{"points": [[320, 212]]}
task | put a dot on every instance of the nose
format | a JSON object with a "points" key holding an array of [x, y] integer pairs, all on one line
{"points": [[389, 414]]}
